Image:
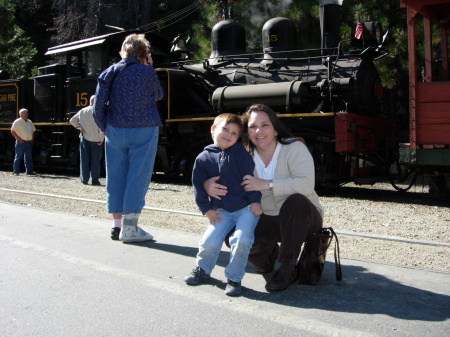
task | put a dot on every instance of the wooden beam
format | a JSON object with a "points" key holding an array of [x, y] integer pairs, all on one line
{"points": [[412, 40], [444, 51], [428, 76]]}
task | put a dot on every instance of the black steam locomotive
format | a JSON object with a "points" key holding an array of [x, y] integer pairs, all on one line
{"points": [[319, 94], [329, 97]]}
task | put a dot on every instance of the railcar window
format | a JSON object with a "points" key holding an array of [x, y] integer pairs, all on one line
{"points": [[93, 62], [76, 65]]}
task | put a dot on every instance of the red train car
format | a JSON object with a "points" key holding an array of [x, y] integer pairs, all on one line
{"points": [[428, 149]]}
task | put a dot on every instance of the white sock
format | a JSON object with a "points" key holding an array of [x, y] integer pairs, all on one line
{"points": [[117, 223]]}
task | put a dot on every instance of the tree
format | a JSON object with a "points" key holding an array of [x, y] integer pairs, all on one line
{"points": [[79, 19], [16, 49], [36, 18], [6, 20]]}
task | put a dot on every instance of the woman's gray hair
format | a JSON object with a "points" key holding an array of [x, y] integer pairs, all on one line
{"points": [[136, 46]]}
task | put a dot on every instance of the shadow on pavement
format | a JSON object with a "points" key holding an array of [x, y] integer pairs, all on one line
{"points": [[360, 291]]}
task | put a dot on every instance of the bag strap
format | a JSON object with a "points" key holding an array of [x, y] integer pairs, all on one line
{"points": [[337, 258]]}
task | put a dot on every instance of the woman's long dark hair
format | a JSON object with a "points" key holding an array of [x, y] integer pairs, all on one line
{"points": [[283, 134]]}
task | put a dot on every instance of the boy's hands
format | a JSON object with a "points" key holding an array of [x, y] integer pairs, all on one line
{"points": [[213, 216]]}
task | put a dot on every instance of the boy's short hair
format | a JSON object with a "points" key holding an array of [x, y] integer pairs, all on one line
{"points": [[229, 118]]}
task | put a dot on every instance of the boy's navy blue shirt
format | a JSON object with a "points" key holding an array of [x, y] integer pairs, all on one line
{"points": [[231, 164]]}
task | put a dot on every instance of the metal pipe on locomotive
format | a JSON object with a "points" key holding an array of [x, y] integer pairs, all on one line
{"points": [[330, 98]]}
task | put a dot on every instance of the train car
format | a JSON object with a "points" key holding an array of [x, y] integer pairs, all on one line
{"points": [[331, 96], [428, 150]]}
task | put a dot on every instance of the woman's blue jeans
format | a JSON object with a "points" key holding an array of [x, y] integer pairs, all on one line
{"points": [[130, 156], [240, 242], [23, 150]]}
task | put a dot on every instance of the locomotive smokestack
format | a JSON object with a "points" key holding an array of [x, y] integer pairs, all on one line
{"points": [[330, 21]]}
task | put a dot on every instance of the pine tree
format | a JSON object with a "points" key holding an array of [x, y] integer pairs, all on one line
{"points": [[16, 49]]}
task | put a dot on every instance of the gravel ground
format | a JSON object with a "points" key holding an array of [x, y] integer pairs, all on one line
{"points": [[377, 210]]}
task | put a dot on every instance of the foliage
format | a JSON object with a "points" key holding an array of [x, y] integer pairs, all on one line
{"points": [[6, 19], [16, 54], [16, 50], [36, 19], [79, 19]]}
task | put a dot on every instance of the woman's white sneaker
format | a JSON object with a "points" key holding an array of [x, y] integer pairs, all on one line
{"points": [[134, 234]]}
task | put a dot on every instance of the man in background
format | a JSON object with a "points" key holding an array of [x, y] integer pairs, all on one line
{"points": [[23, 131], [91, 144]]}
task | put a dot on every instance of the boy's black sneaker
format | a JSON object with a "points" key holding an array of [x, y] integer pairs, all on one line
{"points": [[196, 276], [233, 288]]}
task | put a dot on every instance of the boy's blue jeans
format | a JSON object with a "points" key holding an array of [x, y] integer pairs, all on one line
{"points": [[130, 156], [240, 242]]}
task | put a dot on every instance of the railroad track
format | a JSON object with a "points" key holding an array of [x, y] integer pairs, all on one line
{"points": [[364, 235]]}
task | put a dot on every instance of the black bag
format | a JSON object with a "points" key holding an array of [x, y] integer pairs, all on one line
{"points": [[312, 259]]}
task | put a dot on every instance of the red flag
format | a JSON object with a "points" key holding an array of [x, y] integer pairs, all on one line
{"points": [[359, 29]]}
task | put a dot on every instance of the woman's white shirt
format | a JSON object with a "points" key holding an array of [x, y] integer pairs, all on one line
{"points": [[268, 172]]}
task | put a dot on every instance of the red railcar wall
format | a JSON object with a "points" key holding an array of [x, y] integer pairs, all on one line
{"points": [[433, 113]]}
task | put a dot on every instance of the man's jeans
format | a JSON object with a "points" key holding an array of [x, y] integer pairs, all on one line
{"points": [[23, 150], [90, 157]]}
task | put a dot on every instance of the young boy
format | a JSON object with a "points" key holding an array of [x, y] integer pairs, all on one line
{"points": [[229, 160]]}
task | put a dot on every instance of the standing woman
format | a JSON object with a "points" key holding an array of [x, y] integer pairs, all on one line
{"points": [[125, 109], [284, 173]]}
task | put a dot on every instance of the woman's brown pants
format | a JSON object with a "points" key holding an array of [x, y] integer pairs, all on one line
{"points": [[297, 221]]}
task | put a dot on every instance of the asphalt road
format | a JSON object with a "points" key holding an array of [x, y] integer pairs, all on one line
{"points": [[61, 275]]}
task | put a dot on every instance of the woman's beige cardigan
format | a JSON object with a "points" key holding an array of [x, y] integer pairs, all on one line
{"points": [[294, 173]]}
